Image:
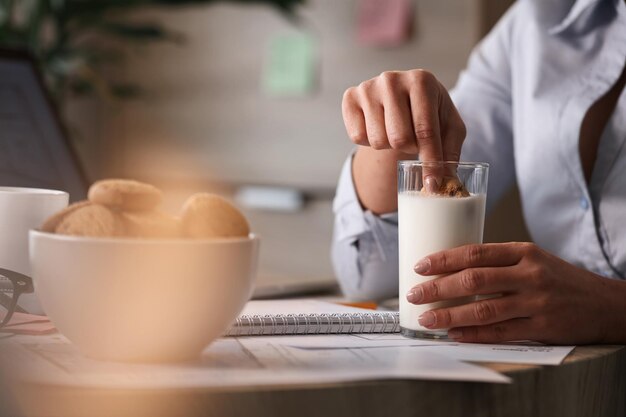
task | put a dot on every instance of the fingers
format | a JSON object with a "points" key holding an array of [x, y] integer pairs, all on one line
{"points": [[374, 114], [400, 110], [471, 256], [506, 331], [353, 118], [398, 119], [468, 282], [424, 98], [453, 132], [478, 313]]}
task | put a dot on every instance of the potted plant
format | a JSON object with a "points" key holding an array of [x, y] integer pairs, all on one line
{"points": [[72, 39]]}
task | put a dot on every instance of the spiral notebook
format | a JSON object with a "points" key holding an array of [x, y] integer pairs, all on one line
{"points": [[309, 316]]}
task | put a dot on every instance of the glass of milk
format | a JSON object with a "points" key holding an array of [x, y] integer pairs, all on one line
{"points": [[430, 222]]}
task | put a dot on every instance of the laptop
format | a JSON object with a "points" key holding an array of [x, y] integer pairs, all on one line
{"points": [[34, 149]]}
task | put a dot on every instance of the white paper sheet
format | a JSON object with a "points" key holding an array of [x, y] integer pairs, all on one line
{"points": [[506, 353], [235, 362], [533, 354]]}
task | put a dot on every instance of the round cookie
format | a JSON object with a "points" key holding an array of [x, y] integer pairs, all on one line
{"points": [[450, 187], [125, 194], [150, 224], [51, 224], [92, 220], [210, 216]]}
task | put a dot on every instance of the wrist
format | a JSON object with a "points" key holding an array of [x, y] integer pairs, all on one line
{"points": [[375, 177], [614, 311]]}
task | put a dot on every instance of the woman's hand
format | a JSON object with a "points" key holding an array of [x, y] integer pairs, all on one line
{"points": [[409, 111], [537, 296], [399, 115]]}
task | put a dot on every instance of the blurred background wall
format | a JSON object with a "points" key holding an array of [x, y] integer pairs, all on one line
{"points": [[206, 123]]}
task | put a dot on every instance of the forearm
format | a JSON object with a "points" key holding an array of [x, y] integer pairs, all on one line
{"points": [[374, 174]]}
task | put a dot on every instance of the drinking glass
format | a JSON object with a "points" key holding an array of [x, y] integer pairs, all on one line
{"points": [[431, 222]]}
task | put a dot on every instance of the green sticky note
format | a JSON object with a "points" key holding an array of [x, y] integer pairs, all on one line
{"points": [[290, 65]]}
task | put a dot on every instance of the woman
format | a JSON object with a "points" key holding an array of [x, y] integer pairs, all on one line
{"points": [[542, 101]]}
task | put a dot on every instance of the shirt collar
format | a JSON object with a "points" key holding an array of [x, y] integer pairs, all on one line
{"points": [[577, 9]]}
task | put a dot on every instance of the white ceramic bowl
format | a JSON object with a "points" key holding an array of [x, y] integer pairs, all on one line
{"points": [[142, 300]]}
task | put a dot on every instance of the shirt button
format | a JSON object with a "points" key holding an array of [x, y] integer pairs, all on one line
{"points": [[584, 204]]}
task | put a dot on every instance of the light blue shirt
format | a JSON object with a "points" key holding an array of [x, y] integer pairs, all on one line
{"points": [[523, 97]]}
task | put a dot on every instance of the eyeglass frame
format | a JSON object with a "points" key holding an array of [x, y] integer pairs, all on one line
{"points": [[22, 284]]}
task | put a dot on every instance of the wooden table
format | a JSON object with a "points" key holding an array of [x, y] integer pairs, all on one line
{"points": [[591, 382]]}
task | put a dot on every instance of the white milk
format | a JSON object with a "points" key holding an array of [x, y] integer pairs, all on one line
{"points": [[428, 224]]}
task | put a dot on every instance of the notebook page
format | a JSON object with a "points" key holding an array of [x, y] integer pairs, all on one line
{"points": [[297, 306]]}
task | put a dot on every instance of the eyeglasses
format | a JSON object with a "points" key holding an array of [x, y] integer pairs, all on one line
{"points": [[14, 285]]}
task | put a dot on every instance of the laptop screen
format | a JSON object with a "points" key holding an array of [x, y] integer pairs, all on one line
{"points": [[34, 150]]}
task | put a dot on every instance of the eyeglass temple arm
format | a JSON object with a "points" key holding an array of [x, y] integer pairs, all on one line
{"points": [[11, 308], [22, 284]]}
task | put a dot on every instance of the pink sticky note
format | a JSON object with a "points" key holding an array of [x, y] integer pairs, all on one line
{"points": [[29, 324], [384, 22]]}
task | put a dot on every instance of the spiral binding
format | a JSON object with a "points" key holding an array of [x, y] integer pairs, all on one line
{"points": [[337, 323]]}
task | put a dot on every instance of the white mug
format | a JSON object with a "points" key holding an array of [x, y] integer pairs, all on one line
{"points": [[23, 209]]}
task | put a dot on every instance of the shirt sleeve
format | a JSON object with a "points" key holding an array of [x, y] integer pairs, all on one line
{"points": [[483, 97], [365, 246]]}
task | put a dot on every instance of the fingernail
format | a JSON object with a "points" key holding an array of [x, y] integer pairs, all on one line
{"points": [[415, 295], [431, 184], [455, 333], [427, 319], [422, 266]]}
